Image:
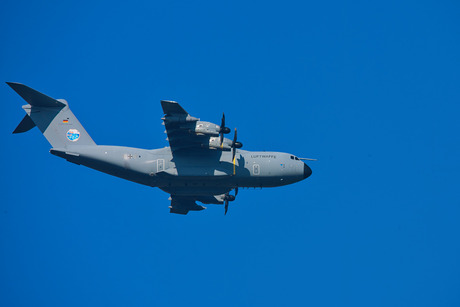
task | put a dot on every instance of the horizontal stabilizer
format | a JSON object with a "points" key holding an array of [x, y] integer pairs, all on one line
{"points": [[33, 97], [25, 125], [52, 117]]}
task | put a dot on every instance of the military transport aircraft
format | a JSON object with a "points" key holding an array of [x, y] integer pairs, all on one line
{"points": [[200, 164]]}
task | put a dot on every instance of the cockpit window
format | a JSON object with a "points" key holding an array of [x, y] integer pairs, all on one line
{"points": [[292, 157], [296, 158]]}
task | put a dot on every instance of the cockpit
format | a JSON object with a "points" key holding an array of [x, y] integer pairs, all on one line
{"points": [[294, 158]]}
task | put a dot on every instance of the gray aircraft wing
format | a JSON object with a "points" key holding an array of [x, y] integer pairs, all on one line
{"points": [[187, 132], [184, 204]]}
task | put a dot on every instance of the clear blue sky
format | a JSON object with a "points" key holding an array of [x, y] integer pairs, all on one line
{"points": [[370, 89]]}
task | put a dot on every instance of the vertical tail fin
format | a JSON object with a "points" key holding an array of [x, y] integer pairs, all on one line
{"points": [[52, 116]]}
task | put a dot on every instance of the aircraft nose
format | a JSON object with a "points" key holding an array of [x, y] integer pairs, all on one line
{"points": [[306, 171]]}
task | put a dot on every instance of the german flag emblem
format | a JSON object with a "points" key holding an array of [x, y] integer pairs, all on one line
{"points": [[65, 121]]}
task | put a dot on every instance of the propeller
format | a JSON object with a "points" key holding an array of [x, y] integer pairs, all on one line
{"points": [[223, 130], [228, 198], [235, 145]]}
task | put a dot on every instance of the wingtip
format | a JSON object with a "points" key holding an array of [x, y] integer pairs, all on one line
{"points": [[14, 85], [168, 102]]}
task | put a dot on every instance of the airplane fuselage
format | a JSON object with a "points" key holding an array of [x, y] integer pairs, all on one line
{"points": [[193, 172], [200, 164]]}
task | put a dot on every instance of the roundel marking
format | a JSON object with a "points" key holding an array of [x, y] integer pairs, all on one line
{"points": [[73, 135]]}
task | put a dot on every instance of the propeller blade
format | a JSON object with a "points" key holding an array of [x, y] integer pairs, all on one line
{"points": [[234, 151], [222, 123], [233, 145], [228, 198], [222, 128]]}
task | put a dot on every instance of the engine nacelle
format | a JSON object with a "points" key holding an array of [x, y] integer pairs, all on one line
{"points": [[206, 128], [180, 119], [214, 142]]}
